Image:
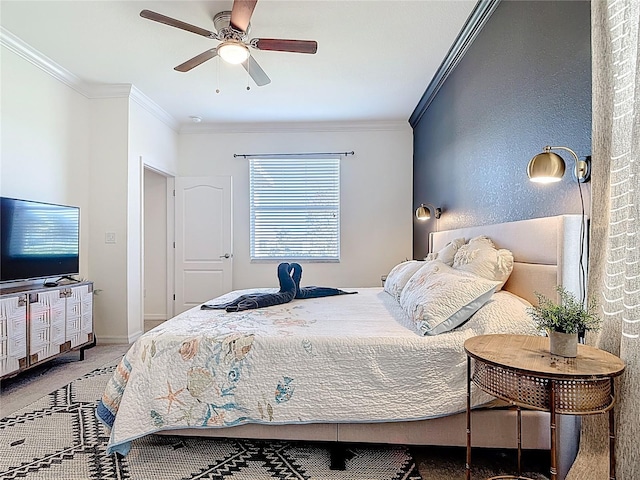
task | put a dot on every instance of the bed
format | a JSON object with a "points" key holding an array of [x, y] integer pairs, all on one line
{"points": [[347, 368]]}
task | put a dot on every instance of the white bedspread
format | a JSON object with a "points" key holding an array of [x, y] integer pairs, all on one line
{"points": [[349, 358]]}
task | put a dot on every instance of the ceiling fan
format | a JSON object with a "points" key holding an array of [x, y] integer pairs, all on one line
{"points": [[232, 29]]}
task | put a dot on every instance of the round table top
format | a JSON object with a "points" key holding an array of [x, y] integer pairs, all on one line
{"points": [[530, 353]]}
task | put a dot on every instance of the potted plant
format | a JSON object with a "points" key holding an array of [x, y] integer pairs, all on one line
{"points": [[564, 320]]}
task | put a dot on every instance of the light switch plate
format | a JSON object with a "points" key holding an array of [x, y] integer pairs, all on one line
{"points": [[110, 237]]}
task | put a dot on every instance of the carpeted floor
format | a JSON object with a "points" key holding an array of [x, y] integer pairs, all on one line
{"points": [[57, 436]]}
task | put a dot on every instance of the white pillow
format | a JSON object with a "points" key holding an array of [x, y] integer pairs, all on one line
{"points": [[399, 276], [503, 313], [447, 253], [481, 258], [438, 298]]}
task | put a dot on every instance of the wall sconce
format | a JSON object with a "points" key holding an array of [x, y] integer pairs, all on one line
{"points": [[424, 213], [547, 167]]}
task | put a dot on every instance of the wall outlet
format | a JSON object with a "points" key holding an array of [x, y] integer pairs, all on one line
{"points": [[110, 237]]}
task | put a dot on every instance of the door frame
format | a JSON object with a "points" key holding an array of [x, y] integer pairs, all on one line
{"points": [[171, 245], [170, 267]]}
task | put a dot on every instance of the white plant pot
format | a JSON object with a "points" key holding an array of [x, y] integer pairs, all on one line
{"points": [[563, 344]]}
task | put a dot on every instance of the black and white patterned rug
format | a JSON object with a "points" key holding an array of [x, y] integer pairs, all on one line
{"points": [[59, 437]]}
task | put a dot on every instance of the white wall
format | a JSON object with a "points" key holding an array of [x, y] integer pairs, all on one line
{"points": [[156, 144], [152, 143], [125, 136], [150, 137], [45, 141], [108, 180], [376, 198], [60, 146], [64, 143]]}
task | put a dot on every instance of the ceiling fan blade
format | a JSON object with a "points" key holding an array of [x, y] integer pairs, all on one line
{"points": [[297, 46], [256, 72], [241, 14], [197, 60], [172, 22]]}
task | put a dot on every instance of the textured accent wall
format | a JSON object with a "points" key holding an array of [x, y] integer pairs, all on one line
{"points": [[524, 83]]}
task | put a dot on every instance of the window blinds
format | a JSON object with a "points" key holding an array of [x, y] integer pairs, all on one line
{"points": [[295, 208]]}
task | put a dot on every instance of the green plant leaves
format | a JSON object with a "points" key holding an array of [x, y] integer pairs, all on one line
{"points": [[569, 316]]}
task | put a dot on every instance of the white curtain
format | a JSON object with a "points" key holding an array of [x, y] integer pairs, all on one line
{"points": [[614, 259]]}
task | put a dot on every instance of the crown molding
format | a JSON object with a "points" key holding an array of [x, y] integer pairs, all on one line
{"points": [[295, 127], [88, 90], [31, 55], [154, 109], [474, 24], [109, 90]]}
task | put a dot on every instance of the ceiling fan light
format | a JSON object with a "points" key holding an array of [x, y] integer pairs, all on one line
{"points": [[233, 52]]}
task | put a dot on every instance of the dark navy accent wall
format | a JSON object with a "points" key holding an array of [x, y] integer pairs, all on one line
{"points": [[524, 83]]}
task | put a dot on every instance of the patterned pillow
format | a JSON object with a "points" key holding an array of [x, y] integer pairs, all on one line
{"points": [[447, 253], [438, 298], [481, 257], [399, 276]]}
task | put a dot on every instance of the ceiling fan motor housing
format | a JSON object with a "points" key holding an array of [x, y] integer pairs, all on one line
{"points": [[222, 23]]}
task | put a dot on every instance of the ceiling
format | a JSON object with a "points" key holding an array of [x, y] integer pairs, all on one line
{"points": [[374, 60]]}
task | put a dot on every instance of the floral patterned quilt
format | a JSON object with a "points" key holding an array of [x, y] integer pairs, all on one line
{"points": [[348, 358]]}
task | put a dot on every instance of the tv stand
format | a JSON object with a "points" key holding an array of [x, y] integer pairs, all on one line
{"points": [[38, 323]]}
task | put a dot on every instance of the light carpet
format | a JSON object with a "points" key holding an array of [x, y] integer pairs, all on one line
{"points": [[58, 436]]}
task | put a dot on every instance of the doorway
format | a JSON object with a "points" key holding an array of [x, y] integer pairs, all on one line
{"points": [[188, 242], [157, 231]]}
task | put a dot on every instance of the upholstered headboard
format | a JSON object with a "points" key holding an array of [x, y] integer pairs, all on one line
{"points": [[546, 252]]}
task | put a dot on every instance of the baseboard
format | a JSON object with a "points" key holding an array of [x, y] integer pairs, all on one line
{"points": [[155, 317], [134, 336], [112, 340], [118, 339]]}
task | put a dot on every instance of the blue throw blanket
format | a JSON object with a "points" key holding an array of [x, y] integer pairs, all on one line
{"points": [[289, 276], [313, 291], [250, 301]]}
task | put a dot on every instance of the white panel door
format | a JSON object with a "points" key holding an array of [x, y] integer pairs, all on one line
{"points": [[203, 250]]}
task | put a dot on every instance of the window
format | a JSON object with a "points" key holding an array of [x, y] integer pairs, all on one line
{"points": [[295, 208]]}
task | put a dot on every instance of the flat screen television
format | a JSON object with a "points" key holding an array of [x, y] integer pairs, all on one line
{"points": [[38, 240]]}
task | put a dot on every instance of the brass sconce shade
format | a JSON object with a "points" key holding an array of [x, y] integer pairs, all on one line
{"points": [[424, 213], [548, 167]]}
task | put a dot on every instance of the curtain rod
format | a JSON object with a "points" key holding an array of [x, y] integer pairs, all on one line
{"points": [[269, 155]]}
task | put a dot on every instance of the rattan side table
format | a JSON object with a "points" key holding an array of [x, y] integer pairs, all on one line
{"points": [[520, 370]]}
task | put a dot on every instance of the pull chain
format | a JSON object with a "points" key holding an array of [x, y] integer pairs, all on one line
{"points": [[248, 74], [217, 75]]}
